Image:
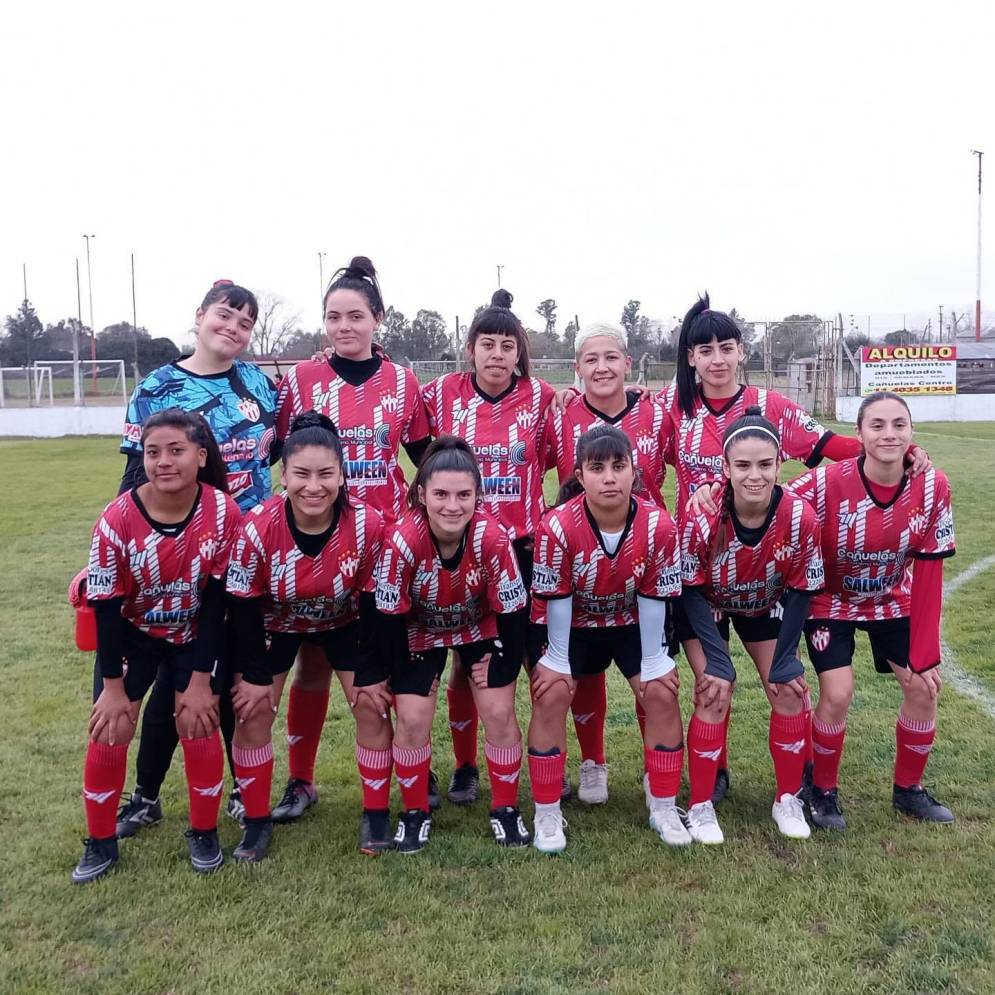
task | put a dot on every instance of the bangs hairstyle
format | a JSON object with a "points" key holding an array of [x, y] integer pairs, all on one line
{"points": [[751, 425], [226, 292], [700, 325], [498, 319], [315, 429], [199, 433], [446, 453], [360, 275], [881, 395], [601, 444], [597, 328]]}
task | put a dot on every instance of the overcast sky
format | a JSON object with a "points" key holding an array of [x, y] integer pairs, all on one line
{"points": [[784, 159]]}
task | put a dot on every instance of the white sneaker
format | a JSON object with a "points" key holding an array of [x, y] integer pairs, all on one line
{"points": [[703, 825], [665, 818], [790, 817], [593, 789], [549, 825]]}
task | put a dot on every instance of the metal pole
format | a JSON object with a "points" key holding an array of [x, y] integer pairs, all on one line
{"points": [[940, 331], [24, 272], [321, 289], [77, 379], [977, 298], [499, 276], [27, 338], [134, 316], [93, 331]]}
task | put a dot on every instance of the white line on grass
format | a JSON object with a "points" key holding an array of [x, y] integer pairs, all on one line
{"points": [[956, 438], [959, 679]]}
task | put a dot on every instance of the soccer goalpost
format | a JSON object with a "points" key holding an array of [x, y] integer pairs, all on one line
{"points": [[109, 373]]}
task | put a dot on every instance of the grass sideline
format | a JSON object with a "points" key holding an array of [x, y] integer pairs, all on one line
{"points": [[888, 907]]}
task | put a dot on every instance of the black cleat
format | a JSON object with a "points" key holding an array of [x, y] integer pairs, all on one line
{"points": [[434, 795], [508, 827], [463, 785], [99, 856], [374, 832], [205, 850], [297, 798], [255, 842], [806, 789], [566, 789], [137, 813], [918, 803], [236, 807], [824, 809], [722, 782], [413, 828]]}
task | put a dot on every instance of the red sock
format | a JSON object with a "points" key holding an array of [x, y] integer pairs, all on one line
{"points": [[103, 781], [374, 772], [705, 741], [913, 741], [590, 705], [724, 755], [504, 765], [664, 767], [641, 719], [254, 776], [463, 725], [204, 760], [305, 720], [546, 775], [827, 746], [412, 767], [788, 740]]}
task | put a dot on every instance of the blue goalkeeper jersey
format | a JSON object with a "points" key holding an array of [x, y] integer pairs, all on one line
{"points": [[238, 405]]}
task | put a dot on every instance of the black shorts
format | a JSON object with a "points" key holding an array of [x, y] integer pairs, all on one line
{"points": [[591, 651], [749, 628], [420, 670], [340, 646], [831, 643], [144, 655]]}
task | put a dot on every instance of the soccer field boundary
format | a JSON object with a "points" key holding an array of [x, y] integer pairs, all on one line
{"points": [[959, 679]]}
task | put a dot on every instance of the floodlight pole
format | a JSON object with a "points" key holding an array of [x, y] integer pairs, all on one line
{"points": [[977, 298], [93, 331]]}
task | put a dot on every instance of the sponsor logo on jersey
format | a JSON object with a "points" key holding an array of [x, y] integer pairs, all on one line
{"points": [[809, 424], [424, 577], [697, 461], [690, 565], [545, 579], [249, 408], [516, 453], [815, 573], [238, 449], [460, 415], [388, 402], [511, 593], [388, 596], [668, 582], [502, 488], [820, 639], [133, 433], [208, 546], [239, 481], [871, 585], [367, 471], [239, 579], [945, 527], [349, 562], [100, 581], [174, 616], [848, 519], [137, 559]]}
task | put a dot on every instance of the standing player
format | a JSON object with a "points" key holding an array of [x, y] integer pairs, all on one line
{"points": [[602, 363], [449, 580], [605, 564], [755, 563], [377, 407], [884, 538], [156, 579], [302, 570], [238, 401], [499, 408]]}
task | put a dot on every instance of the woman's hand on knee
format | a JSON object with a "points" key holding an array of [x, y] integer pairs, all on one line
{"points": [[926, 684], [546, 680], [663, 689], [713, 693], [250, 699], [111, 720], [784, 692], [374, 696]]}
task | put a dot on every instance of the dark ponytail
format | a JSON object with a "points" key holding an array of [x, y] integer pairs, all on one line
{"points": [[361, 276], [197, 430], [498, 319], [447, 452], [700, 325], [312, 428]]}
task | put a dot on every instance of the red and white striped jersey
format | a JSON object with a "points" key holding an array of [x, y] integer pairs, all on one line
{"points": [[749, 580], [644, 422], [866, 545], [373, 421], [505, 434], [448, 607], [571, 559], [304, 593], [161, 576], [697, 450]]}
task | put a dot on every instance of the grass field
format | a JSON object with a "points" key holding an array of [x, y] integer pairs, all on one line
{"points": [[887, 907]]}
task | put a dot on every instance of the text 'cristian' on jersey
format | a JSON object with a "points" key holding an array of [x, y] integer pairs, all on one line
{"points": [[455, 604], [161, 576], [643, 421], [698, 440], [238, 404], [866, 545], [571, 559], [505, 433], [304, 593], [373, 420], [749, 580]]}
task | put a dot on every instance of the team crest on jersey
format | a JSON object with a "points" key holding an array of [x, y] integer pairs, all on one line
{"points": [[848, 519], [349, 562], [249, 408], [820, 639], [473, 576], [639, 567], [917, 520], [645, 443], [783, 551], [525, 417], [208, 545], [388, 402]]}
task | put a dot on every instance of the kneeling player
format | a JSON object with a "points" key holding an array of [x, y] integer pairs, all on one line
{"points": [[884, 537], [302, 571], [756, 563], [156, 580], [449, 579], [605, 564]]}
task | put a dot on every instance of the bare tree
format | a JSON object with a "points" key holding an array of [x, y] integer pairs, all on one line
{"points": [[274, 326]]}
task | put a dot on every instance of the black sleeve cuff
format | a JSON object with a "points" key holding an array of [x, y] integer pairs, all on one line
{"points": [[416, 449], [816, 458], [933, 556]]}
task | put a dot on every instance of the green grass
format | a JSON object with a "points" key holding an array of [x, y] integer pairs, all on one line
{"points": [[888, 907]]}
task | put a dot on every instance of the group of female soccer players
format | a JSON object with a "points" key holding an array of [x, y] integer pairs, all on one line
{"points": [[208, 588]]}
